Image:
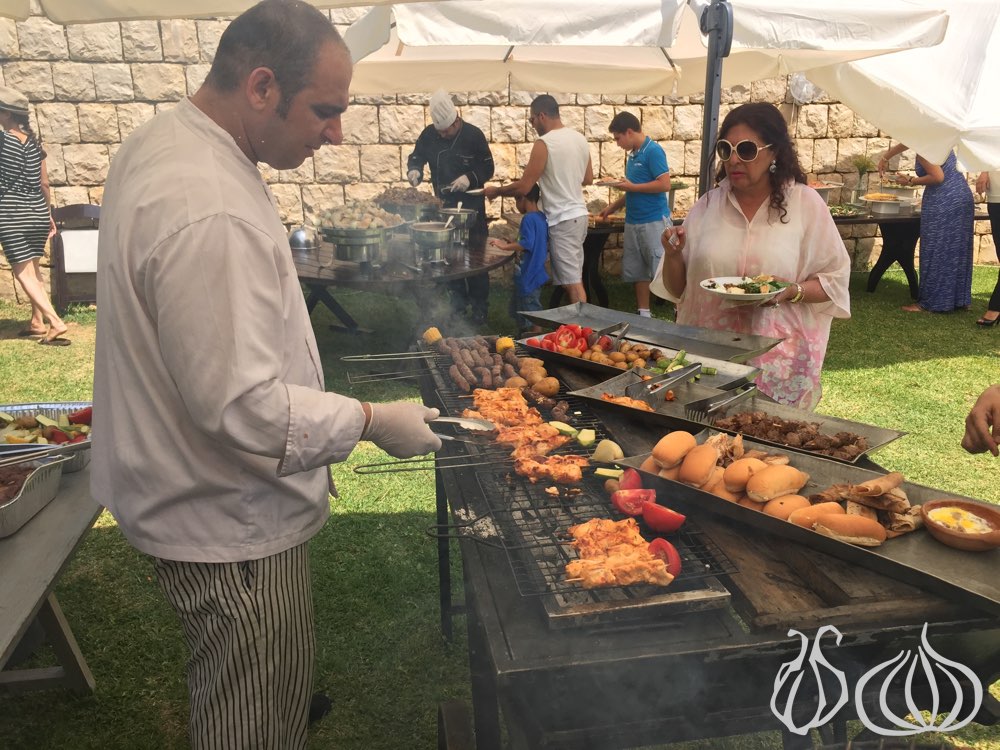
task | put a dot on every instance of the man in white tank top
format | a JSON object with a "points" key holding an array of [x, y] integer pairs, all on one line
{"points": [[560, 165]]}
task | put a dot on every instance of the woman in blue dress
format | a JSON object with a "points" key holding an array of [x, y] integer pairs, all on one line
{"points": [[946, 234]]}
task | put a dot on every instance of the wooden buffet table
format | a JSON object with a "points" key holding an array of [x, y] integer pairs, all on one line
{"points": [[686, 675], [31, 561]]}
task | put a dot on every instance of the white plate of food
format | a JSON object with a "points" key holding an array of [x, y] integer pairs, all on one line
{"points": [[744, 288]]}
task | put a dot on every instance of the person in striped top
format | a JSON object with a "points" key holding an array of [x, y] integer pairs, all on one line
{"points": [[25, 219]]}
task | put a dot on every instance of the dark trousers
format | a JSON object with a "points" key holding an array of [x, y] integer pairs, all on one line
{"points": [[993, 209], [472, 292], [899, 241]]}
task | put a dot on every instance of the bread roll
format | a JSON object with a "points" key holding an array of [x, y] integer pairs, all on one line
{"points": [[806, 517], [738, 473], [672, 448], [650, 465], [782, 507], [852, 529], [670, 473], [746, 502], [698, 465], [775, 481], [714, 480], [720, 490]]}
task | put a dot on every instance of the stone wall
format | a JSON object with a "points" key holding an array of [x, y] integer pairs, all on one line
{"points": [[91, 85]]}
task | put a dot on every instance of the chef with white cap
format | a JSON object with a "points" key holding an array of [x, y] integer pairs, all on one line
{"points": [[459, 159]]}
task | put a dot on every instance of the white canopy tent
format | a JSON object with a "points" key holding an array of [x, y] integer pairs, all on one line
{"points": [[937, 99], [627, 47], [93, 11], [632, 47]]}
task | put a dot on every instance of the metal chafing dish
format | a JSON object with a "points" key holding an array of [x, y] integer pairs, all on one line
{"points": [[463, 219], [432, 241], [358, 245], [304, 242]]}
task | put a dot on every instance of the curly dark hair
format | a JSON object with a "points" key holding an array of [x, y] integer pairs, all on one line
{"points": [[766, 120]]}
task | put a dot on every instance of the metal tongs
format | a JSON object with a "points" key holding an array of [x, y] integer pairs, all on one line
{"points": [[650, 390], [468, 423], [45, 452], [700, 410]]}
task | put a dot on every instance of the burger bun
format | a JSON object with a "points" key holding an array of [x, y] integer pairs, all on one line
{"points": [[851, 529]]}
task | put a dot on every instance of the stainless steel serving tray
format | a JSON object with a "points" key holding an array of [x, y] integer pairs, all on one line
{"points": [[915, 558], [413, 211], [51, 410], [877, 437], [672, 415], [728, 374], [723, 345], [343, 236]]}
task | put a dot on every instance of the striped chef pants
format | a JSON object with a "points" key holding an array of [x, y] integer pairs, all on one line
{"points": [[249, 627]]}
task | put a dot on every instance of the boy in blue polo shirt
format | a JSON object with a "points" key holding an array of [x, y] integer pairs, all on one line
{"points": [[531, 251], [647, 212]]}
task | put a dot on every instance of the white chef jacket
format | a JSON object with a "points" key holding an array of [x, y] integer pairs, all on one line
{"points": [[212, 432]]}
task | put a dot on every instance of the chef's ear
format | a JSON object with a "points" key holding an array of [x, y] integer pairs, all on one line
{"points": [[262, 89]]}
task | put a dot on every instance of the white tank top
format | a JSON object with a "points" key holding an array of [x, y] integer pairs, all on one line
{"points": [[993, 193], [561, 182]]}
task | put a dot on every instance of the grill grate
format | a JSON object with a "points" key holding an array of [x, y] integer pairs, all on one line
{"points": [[532, 525]]}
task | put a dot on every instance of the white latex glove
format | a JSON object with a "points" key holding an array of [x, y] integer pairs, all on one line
{"points": [[460, 185], [414, 177], [400, 429]]}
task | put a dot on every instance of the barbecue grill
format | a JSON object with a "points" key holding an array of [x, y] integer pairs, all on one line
{"points": [[622, 681], [531, 528]]}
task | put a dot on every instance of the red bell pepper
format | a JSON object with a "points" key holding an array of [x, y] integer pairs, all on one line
{"points": [[81, 417]]}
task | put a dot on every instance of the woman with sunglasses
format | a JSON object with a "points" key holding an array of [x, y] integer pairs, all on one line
{"points": [[762, 218]]}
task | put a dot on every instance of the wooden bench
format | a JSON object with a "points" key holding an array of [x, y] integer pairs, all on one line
{"points": [[74, 255], [32, 559]]}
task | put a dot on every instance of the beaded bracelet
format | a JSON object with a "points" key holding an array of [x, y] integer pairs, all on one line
{"points": [[799, 294]]}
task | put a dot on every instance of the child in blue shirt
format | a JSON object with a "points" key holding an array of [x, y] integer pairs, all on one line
{"points": [[531, 250]]}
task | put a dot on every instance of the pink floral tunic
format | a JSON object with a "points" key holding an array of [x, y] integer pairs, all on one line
{"points": [[722, 242]]}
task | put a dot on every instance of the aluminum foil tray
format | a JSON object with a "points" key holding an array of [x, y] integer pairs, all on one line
{"points": [[51, 410], [728, 345], [38, 490]]}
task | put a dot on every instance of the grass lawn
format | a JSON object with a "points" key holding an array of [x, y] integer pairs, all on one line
{"points": [[381, 657]]}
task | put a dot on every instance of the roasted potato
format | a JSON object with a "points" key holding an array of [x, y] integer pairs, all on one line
{"points": [[546, 386]]}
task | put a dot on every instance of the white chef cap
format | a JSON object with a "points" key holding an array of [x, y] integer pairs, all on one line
{"points": [[443, 112]]}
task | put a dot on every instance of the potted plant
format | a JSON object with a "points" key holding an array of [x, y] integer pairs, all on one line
{"points": [[864, 164]]}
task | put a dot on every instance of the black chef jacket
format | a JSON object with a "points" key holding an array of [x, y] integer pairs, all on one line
{"points": [[467, 154]]}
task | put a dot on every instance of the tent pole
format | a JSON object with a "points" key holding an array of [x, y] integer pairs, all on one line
{"points": [[717, 23]]}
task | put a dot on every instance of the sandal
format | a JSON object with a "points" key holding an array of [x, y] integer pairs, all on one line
{"points": [[54, 341], [986, 323]]}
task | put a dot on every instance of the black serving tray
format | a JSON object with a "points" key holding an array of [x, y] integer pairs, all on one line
{"points": [[727, 374], [707, 342], [916, 558]]}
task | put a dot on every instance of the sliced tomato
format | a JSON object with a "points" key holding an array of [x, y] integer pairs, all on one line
{"points": [[565, 339], [547, 344], [572, 328], [532, 342], [550, 336], [631, 480], [630, 502], [667, 552], [661, 519], [605, 343], [586, 331], [81, 417], [581, 343]]}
